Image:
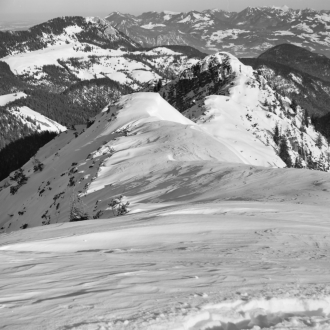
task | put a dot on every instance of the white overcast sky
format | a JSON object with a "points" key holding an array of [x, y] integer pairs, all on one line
{"points": [[45, 9]]}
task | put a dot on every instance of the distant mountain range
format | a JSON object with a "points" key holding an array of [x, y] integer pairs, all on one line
{"points": [[245, 34]]}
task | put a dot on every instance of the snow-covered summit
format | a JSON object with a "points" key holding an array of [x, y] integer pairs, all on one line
{"points": [[237, 105]]}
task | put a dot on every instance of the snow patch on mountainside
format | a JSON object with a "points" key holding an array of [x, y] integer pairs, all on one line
{"points": [[151, 26], [5, 99], [35, 120]]}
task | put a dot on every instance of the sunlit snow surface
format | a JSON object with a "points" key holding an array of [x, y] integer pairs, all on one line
{"points": [[5, 99], [229, 265]]}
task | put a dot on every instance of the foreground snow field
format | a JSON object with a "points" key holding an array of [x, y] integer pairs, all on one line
{"points": [[226, 265]]}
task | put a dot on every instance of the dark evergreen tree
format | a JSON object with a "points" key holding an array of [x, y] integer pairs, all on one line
{"points": [[17, 153], [305, 118], [298, 163], [284, 152], [294, 105], [319, 141], [277, 136]]}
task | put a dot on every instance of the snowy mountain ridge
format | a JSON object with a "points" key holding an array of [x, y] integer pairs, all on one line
{"points": [[247, 111]]}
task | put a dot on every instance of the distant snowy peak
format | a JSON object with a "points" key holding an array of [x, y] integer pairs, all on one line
{"points": [[283, 8], [168, 12]]}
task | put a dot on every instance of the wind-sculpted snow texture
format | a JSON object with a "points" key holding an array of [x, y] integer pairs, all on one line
{"points": [[177, 265], [244, 34]]}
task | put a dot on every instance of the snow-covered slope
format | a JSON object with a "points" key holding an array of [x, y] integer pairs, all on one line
{"points": [[36, 121], [237, 105], [133, 69], [26, 116], [5, 99], [20, 121], [139, 135]]}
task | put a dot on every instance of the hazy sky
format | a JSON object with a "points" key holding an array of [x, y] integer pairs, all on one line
{"points": [[45, 9]]}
